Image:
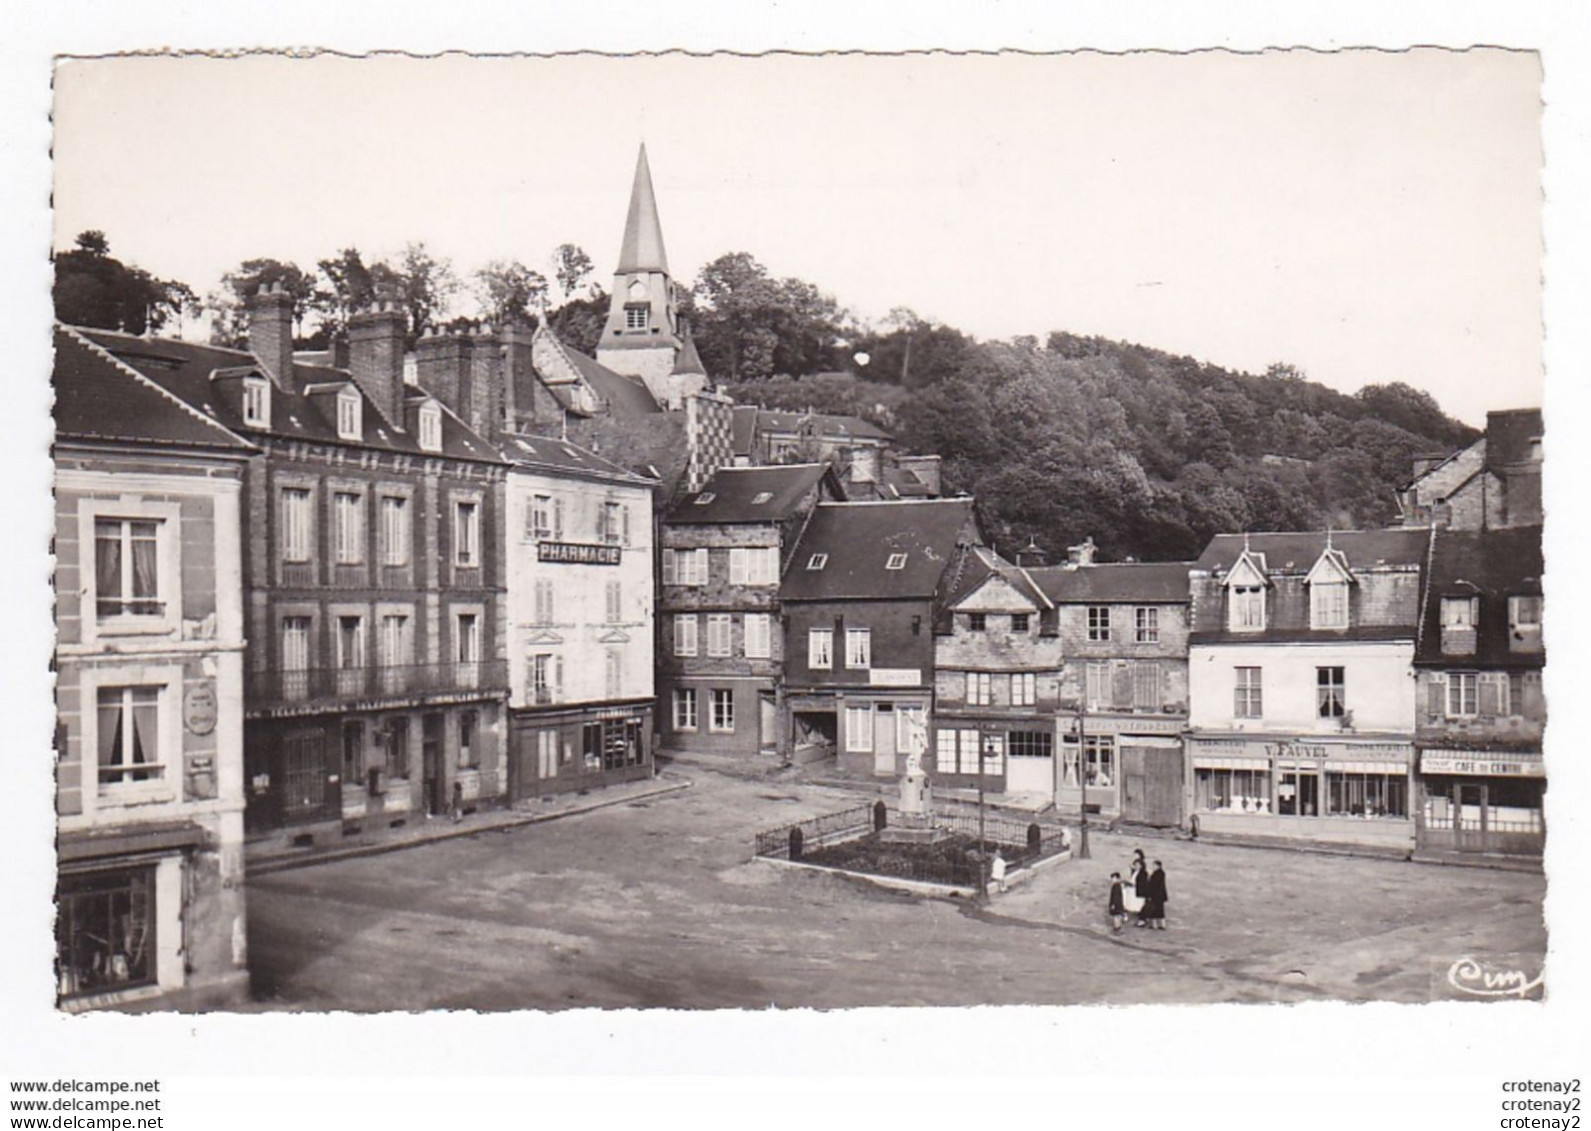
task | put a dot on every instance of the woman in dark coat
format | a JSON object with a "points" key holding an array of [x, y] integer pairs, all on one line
{"points": [[1155, 901], [1138, 875]]}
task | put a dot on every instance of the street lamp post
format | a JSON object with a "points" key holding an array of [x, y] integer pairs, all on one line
{"points": [[1082, 783], [983, 848]]}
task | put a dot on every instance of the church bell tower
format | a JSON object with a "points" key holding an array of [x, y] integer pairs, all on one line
{"points": [[642, 338]]}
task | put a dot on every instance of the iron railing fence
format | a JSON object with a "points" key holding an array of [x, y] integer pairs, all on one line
{"points": [[277, 687], [850, 840]]}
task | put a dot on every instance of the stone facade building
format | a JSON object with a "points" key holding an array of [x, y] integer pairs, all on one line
{"points": [[859, 598], [149, 693], [722, 640], [997, 678], [373, 573], [1481, 709], [1301, 688], [1123, 628], [1493, 484]]}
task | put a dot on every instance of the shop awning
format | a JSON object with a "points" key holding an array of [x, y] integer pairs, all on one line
{"points": [[128, 840], [1214, 762]]}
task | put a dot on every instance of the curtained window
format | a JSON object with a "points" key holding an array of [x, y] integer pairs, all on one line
{"points": [[126, 568]]}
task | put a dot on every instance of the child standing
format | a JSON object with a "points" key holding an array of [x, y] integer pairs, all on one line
{"points": [[1118, 906]]}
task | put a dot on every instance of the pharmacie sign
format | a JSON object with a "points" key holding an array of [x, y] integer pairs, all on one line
{"points": [[1482, 763], [577, 553]]}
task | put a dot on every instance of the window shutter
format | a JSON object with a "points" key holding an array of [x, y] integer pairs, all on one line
{"points": [[557, 519], [670, 573], [700, 577], [624, 524], [530, 517], [1490, 694], [737, 566], [1516, 693], [1121, 685], [557, 675], [1435, 699]]}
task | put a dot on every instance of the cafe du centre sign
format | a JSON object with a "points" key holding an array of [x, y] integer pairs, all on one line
{"points": [[577, 553], [1482, 763]]}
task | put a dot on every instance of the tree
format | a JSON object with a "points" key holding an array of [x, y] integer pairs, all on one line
{"points": [[426, 284], [735, 298], [571, 269], [92, 288], [229, 306], [508, 291]]}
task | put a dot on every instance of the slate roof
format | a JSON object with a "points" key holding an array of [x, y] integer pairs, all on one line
{"points": [[979, 565], [859, 539], [98, 399], [1297, 552], [542, 452], [729, 494], [1149, 583], [1492, 565], [642, 249], [1508, 435], [625, 396], [827, 425], [183, 369]]}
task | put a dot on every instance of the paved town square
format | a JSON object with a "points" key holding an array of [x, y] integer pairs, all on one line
{"points": [[658, 904]]}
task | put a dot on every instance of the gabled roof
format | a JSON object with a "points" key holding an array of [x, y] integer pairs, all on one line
{"points": [[1509, 434], [535, 453], [980, 565], [1143, 582], [624, 396], [184, 370], [1332, 565], [98, 398], [730, 495], [1492, 565], [1298, 552], [642, 249], [858, 540], [821, 423]]}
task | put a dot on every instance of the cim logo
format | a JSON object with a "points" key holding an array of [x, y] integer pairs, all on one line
{"points": [[1482, 978]]}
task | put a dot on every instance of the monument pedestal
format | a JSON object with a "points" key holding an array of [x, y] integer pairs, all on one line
{"points": [[916, 821]]}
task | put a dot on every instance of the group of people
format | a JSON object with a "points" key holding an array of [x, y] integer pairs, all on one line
{"points": [[1142, 895]]}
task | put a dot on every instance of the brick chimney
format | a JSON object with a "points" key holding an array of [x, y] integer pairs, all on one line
{"points": [[271, 332], [375, 354], [487, 402], [442, 361]]}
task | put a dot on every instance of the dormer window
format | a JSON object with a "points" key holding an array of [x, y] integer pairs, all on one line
{"points": [[761, 497], [1248, 608], [704, 498], [430, 428], [1524, 624], [1460, 617], [1328, 604], [896, 561], [348, 416], [817, 561], [256, 402]]}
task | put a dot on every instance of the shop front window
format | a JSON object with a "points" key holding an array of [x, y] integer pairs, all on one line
{"points": [[1298, 793], [1099, 760], [1367, 795], [105, 931], [1232, 791]]}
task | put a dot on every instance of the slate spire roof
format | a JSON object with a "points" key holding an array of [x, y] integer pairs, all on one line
{"points": [[642, 249]]}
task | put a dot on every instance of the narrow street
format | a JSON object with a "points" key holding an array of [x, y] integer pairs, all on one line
{"points": [[657, 904]]}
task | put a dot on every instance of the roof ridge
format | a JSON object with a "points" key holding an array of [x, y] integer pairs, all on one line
{"points": [[93, 346]]}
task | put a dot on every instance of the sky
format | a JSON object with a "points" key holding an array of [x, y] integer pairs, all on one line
{"points": [[1366, 216]]}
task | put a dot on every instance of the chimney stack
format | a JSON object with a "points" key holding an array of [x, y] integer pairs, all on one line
{"points": [[1032, 554], [1081, 554], [442, 361], [375, 354], [487, 403], [271, 332]]}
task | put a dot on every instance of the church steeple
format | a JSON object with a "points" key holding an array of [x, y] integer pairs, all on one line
{"points": [[643, 231], [642, 337]]}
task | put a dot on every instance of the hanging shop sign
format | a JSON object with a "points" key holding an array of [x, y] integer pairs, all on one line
{"points": [[894, 677], [199, 707]]}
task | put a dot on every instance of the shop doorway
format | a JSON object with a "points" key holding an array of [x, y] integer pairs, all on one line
{"points": [[431, 728], [1298, 793], [1469, 816], [1151, 785], [767, 723], [884, 739]]}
